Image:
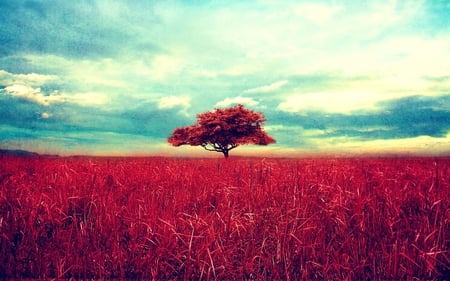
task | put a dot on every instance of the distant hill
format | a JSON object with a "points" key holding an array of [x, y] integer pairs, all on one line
{"points": [[17, 152]]}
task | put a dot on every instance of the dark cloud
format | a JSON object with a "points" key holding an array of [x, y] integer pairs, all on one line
{"points": [[18, 112], [19, 65], [14, 134], [147, 121], [143, 120], [418, 115], [401, 118], [79, 29]]}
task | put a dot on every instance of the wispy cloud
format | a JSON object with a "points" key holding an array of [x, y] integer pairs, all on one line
{"points": [[55, 97], [174, 101], [237, 100], [32, 79], [267, 88]]}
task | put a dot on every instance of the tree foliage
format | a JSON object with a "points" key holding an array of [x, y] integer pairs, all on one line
{"points": [[223, 130]]}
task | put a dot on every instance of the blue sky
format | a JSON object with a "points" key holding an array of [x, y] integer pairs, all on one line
{"points": [[107, 77]]}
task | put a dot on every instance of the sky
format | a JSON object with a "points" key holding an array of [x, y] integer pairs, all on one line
{"points": [[103, 77]]}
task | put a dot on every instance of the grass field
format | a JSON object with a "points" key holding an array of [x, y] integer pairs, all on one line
{"points": [[216, 219]]}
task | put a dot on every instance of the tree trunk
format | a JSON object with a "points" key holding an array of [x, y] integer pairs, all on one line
{"points": [[225, 153]]}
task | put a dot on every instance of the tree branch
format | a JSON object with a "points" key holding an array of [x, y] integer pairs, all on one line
{"points": [[214, 147]]}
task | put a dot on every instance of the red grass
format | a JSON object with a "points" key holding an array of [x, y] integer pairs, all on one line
{"points": [[241, 219]]}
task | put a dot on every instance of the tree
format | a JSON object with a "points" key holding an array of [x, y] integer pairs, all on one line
{"points": [[223, 130]]}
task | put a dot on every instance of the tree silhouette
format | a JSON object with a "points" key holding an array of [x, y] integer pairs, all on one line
{"points": [[223, 130]]}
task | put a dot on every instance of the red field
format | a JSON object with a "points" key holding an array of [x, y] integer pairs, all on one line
{"points": [[209, 219]]}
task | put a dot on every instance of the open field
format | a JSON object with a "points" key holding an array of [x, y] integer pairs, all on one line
{"points": [[215, 219]]}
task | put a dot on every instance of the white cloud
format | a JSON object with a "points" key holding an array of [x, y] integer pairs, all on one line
{"points": [[32, 79], [34, 94], [336, 102], [267, 88], [163, 66], [408, 56], [45, 115], [90, 98], [174, 101], [237, 100], [106, 73], [419, 56], [295, 131], [415, 145]]}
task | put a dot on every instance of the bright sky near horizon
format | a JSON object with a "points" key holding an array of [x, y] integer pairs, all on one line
{"points": [[107, 77]]}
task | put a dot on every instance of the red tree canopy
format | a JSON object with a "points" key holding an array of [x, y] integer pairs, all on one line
{"points": [[223, 129]]}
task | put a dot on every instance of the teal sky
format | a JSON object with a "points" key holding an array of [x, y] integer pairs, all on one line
{"points": [[107, 77]]}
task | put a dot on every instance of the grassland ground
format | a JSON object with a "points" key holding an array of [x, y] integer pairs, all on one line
{"points": [[216, 219]]}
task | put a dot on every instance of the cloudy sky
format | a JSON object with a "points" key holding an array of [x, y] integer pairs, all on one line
{"points": [[110, 77]]}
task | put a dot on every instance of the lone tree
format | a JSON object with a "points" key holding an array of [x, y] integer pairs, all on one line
{"points": [[223, 130]]}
